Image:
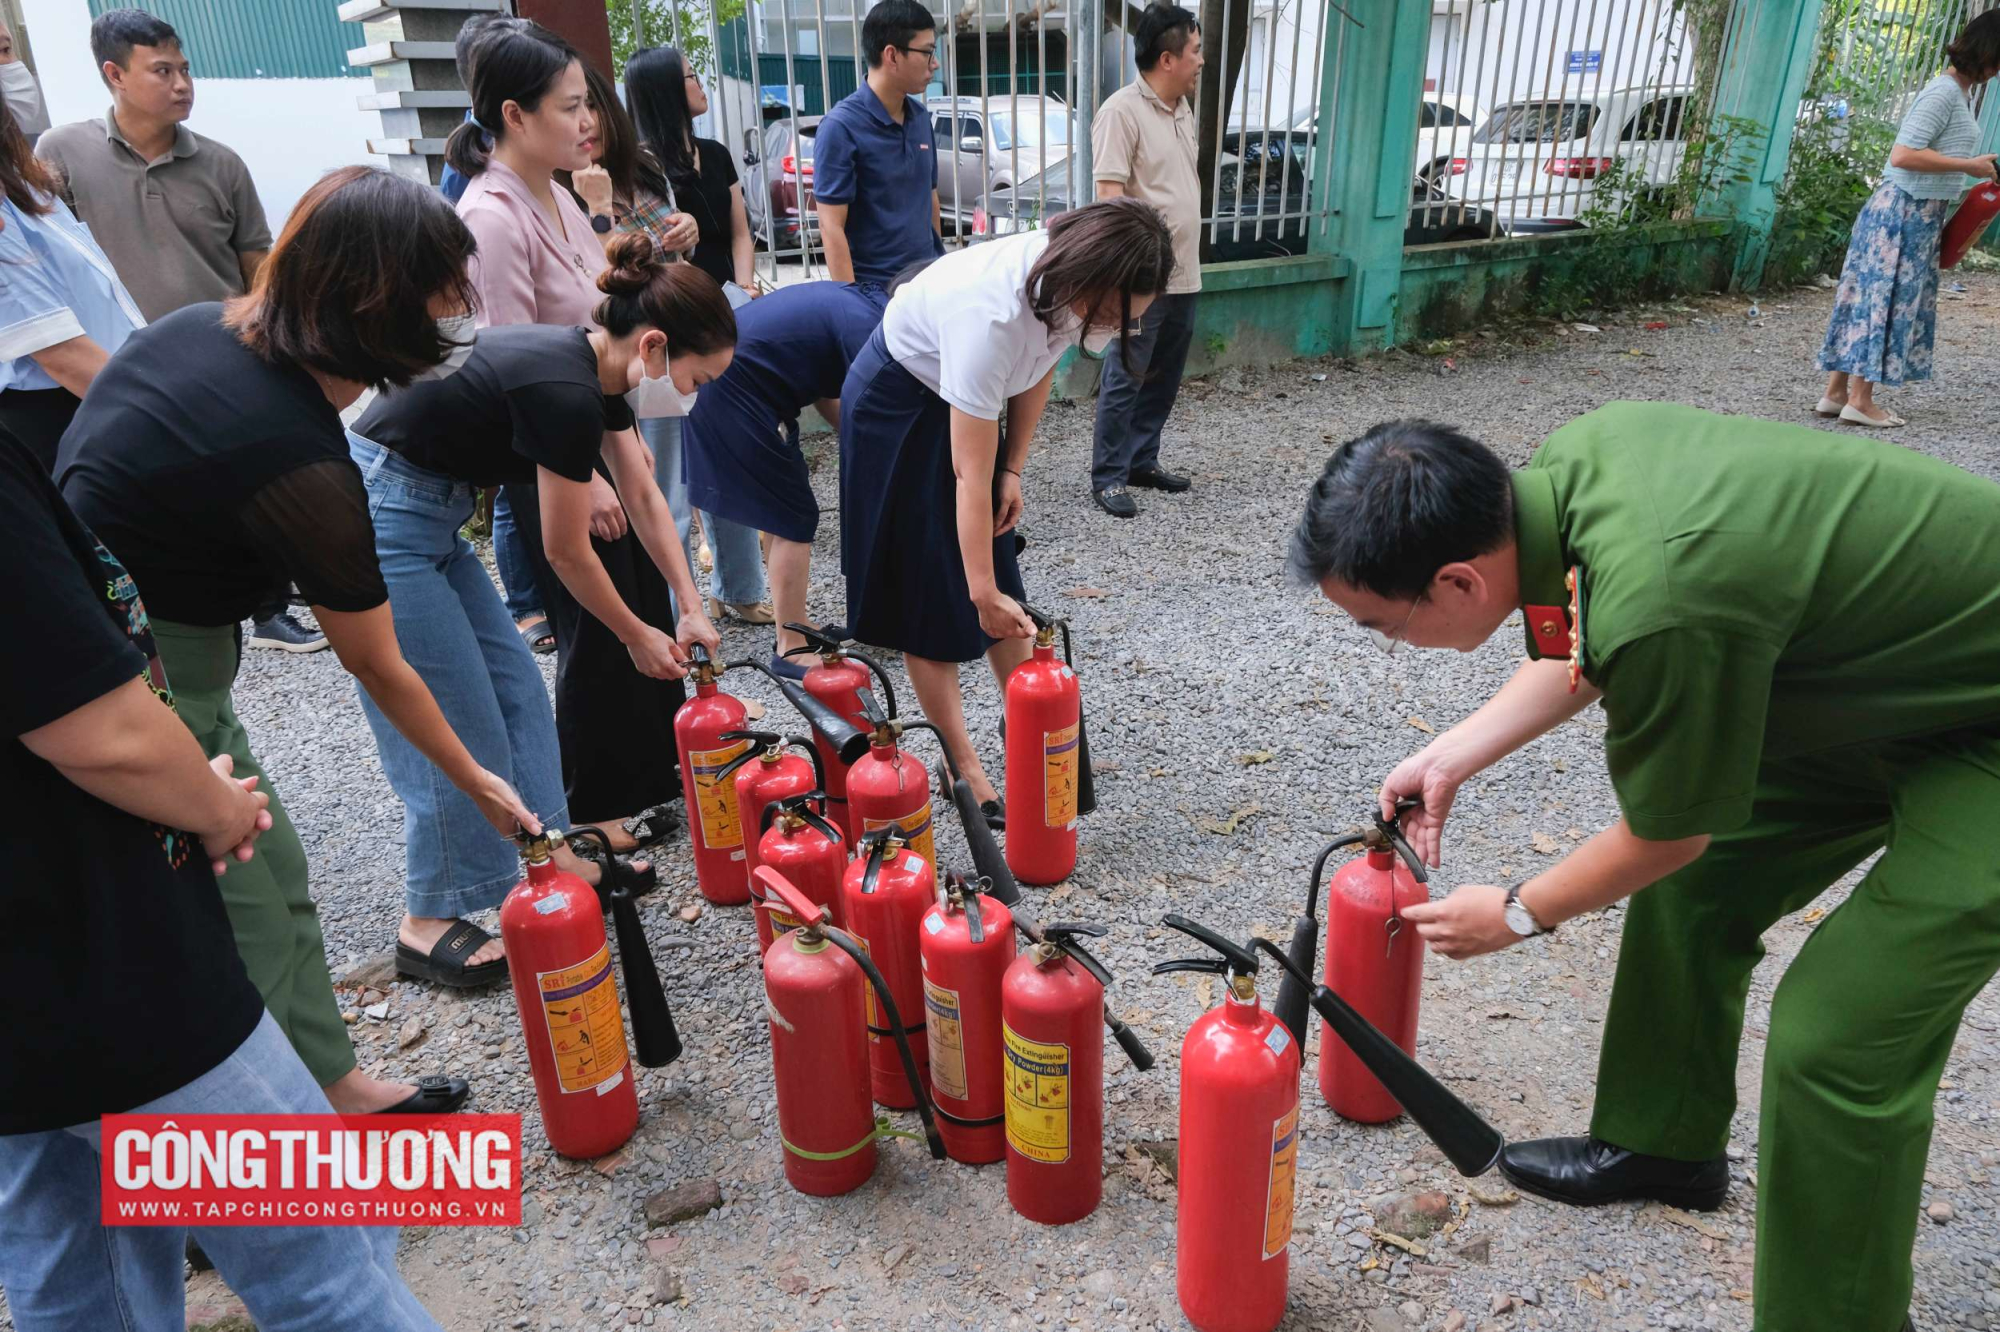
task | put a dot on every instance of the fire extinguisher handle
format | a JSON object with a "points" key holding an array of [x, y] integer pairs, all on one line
{"points": [[881, 675], [1394, 833], [805, 743], [1238, 958], [764, 739], [816, 641], [1213, 966], [779, 892], [760, 740]]}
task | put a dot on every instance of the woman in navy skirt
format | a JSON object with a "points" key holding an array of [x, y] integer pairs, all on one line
{"points": [[793, 348], [929, 494]]}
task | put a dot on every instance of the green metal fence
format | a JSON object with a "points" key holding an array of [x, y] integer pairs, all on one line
{"points": [[255, 39]]}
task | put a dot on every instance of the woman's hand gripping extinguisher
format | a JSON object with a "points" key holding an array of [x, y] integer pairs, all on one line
{"points": [[814, 999], [838, 680], [762, 776], [1049, 782], [967, 945], [811, 854], [1239, 1149]]}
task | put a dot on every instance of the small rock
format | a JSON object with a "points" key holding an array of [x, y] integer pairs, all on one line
{"points": [[1502, 1303], [351, 1016], [1413, 1215], [683, 1202], [1100, 1284], [1413, 1312], [1940, 1212], [1165, 1154], [663, 1246], [1734, 1152], [1478, 1249], [691, 913], [531, 1212], [896, 1254], [608, 1166], [666, 1286], [1454, 1321], [412, 1032], [377, 973], [377, 1012]]}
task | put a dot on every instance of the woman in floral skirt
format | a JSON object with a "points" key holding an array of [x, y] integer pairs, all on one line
{"points": [[1885, 312]]}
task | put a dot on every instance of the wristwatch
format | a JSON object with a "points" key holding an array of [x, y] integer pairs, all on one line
{"points": [[600, 224], [1519, 919]]}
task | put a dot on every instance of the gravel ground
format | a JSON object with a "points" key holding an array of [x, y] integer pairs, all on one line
{"points": [[1195, 656]]}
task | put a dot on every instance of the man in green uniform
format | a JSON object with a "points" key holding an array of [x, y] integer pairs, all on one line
{"points": [[1796, 640]]}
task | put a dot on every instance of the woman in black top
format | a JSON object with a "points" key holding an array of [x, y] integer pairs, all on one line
{"points": [[665, 96], [540, 404], [210, 458]]}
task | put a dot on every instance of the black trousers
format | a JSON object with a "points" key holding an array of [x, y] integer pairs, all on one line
{"points": [[38, 417], [615, 726], [1131, 411]]}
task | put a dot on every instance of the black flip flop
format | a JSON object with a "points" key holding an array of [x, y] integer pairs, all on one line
{"points": [[445, 963], [435, 1095], [540, 637], [646, 827], [614, 871]]}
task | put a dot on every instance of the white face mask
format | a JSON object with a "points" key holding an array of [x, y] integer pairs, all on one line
{"points": [[658, 397], [1096, 340], [460, 332]]}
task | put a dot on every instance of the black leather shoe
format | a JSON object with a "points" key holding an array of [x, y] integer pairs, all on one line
{"points": [[435, 1095], [1585, 1172], [1154, 478], [1114, 501]]}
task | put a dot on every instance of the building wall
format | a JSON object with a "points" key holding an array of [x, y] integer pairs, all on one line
{"points": [[287, 130]]}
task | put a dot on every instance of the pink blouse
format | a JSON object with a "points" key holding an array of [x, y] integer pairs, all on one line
{"points": [[526, 271]]}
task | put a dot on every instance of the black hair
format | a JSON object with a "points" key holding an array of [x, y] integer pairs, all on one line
{"points": [[515, 61], [347, 287], [906, 274], [894, 23], [656, 90], [1398, 504], [1111, 250], [1162, 29], [641, 290], [469, 34], [25, 180], [1975, 52], [115, 32]]}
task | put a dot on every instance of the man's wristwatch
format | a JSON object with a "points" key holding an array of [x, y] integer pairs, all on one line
{"points": [[1519, 919], [600, 224]]}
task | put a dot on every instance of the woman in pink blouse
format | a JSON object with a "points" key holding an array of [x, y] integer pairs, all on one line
{"points": [[537, 263]]}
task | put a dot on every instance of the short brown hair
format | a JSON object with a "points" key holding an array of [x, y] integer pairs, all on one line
{"points": [[1113, 249], [643, 291], [346, 290], [1976, 50]]}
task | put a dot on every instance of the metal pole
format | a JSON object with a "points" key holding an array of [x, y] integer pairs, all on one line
{"points": [[1087, 24]]}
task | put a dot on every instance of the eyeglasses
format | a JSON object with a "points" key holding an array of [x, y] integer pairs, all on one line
{"points": [[927, 52], [1390, 642]]}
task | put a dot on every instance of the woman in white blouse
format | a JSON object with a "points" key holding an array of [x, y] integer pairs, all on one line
{"points": [[930, 483]]}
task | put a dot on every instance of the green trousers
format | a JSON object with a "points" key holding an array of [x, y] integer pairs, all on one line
{"points": [[1861, 1024], [270, 910]]}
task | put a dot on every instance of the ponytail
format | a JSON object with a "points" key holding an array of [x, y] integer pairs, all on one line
{"points": [[643, 291]]}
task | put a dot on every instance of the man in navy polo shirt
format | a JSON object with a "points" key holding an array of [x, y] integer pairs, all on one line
{"points": [[874, 168]]}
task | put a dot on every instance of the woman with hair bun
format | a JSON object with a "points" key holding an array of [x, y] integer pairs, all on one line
{"points": [[538, 407], [538, 263]]}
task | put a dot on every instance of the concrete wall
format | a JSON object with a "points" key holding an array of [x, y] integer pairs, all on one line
{"points": [[288, 131]]}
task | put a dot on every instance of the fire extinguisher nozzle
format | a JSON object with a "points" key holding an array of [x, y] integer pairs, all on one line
{"points": [[1128, 1041]]}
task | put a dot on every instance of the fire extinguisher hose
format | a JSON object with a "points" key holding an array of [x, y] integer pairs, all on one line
{"points": [[842, 940], [824, 645]]}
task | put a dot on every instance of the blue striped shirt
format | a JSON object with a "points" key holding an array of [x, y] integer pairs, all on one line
{"points": [[1941, 120], [55, 284]]}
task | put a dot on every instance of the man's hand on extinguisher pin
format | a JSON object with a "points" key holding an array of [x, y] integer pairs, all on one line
{"points": [[1428, 778], [1470, 922]]}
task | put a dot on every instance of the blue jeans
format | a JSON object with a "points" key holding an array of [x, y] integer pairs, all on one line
{"points": [[63, 1270], [517, 571], [459, 638], [738, 577]]}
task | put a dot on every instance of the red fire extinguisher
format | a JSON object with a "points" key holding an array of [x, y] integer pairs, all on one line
{"points": [[1052, 1035], [809, 851], [765, 775], [967, 944], [1047, 764], [567, 995], [883, 898], [1969, 223], [1373, 960], [838, 680], [700, 728], [814, 994], [889, 787], [1239, 1150]]}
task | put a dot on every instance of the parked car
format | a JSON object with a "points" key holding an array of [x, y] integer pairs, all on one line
{"points": [[1445, 122], [777, 181], [1536, 162], [986, 146], [1275, 172]]}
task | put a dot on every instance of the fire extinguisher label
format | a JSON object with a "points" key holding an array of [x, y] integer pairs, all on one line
{"points": [[1280, 1188], [916, 830], [947, 1039], [1059, 756], [586, 1032], [1037, 1098], [721, 829]]}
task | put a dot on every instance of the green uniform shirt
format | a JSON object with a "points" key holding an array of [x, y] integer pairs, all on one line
{"points": [[1752, 590]]}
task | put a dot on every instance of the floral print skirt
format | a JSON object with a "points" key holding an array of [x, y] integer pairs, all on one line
{"points": [[1885, 312]]}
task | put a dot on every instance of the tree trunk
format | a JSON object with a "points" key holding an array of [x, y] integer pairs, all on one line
{"points": [[1225, 53]]}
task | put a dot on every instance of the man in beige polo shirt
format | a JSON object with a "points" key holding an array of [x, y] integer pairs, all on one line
{"points": [[1144, 145]]}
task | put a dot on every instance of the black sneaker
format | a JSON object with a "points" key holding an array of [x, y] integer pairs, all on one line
{"points": [[1154, 478], [286, 634], [1114, 501]]}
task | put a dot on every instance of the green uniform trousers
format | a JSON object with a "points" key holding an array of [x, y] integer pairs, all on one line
{"points": [[1861, 1024], [270, 910]]}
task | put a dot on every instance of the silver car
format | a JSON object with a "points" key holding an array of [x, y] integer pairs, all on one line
{"points": [[986, 145]]}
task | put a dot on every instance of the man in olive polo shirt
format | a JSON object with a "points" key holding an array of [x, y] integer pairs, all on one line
{"points": [[1795, 637], [175, 212]]}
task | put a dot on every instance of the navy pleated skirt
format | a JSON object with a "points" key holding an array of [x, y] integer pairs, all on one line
{"points": [[906, 585], [744, 465]]}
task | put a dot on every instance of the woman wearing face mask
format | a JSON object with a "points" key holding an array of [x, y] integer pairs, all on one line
{"points": [[928, 500], [531, 403], [538, 262], [209, 458]]}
